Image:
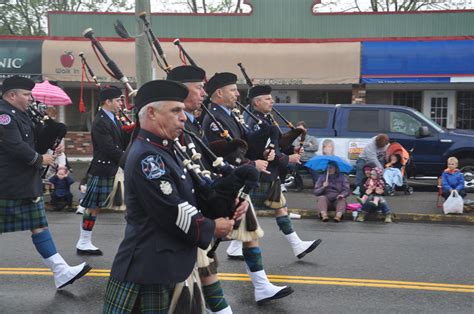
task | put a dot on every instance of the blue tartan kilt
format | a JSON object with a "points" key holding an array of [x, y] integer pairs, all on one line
{"points": [[98, 190], [260, 194], [127, 297], [20, 215]]}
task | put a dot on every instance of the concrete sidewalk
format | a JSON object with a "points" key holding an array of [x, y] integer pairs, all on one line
{"points": [[418, 207]]}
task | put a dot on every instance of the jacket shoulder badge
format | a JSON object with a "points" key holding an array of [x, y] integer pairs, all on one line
{"points": [[5, 119], [153, 167]]}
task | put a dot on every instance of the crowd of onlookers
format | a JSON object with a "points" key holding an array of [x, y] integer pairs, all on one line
{"points": [[379, 171]]}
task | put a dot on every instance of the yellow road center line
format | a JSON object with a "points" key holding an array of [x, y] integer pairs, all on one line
{"points": [[309, 280]]}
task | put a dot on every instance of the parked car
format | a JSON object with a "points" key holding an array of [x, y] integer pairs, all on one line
{"points": [[350, 127]]}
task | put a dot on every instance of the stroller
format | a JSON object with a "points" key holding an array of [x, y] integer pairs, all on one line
{"points": [[405, 160]]}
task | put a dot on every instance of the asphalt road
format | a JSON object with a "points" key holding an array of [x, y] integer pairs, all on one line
{"points": [[359, 268]]}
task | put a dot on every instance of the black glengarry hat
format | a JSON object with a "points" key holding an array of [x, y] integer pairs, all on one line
{"points": [[186, 74], [109, 92], [259, 90], [220, 80], [160, 90], [17, 82]]}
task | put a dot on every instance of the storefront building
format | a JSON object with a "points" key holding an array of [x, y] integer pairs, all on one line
{"points": [[416, 59]]}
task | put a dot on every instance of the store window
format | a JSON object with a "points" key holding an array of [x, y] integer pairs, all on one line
{"points": [[408, 99], [465, 110]]}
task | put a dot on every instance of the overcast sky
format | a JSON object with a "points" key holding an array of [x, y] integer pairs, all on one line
{"points": [[327, 5]]}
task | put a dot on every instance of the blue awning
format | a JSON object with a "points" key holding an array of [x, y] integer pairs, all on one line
{"points": [[417, 61]]}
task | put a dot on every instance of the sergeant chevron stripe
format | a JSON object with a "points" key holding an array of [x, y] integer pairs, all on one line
{"points": [[185, 213]]}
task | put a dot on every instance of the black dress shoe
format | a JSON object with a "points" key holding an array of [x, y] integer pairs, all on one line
{"points": [[310, 249], [89, 252], [84, 271], [280, 294]]}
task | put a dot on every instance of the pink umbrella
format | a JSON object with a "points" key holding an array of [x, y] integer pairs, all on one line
{"points": [[50, 94]]}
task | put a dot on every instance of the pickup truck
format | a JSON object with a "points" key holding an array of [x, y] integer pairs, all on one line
{"points": [[351, 126]]}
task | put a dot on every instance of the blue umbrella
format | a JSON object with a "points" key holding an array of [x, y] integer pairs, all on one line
{"points": [[320, 163]]}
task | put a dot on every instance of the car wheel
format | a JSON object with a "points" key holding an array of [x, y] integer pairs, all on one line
{"points": [[466, 166]]}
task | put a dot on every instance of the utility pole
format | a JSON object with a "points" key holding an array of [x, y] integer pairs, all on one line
{"points": [[143, 59]]}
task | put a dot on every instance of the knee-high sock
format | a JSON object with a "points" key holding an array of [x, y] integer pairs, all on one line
{"points": [[44, 243], [88, 221], [214, 296], [253, 258], [284, 223]]}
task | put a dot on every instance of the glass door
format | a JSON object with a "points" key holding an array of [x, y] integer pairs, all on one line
{"points": [[439, 106]]}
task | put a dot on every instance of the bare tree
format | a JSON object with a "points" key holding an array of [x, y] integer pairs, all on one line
{"points": [[29, 17]]}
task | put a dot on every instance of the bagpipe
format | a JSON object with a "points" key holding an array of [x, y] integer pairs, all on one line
{"points": [[114, 71], [48, 133], [217, 192]]}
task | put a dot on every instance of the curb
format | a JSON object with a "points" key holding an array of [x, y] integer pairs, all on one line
{"points": [[397, 217]]}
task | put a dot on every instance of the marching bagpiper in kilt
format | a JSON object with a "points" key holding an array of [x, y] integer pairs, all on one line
{"points": [[21, 190], [155, 266], [261, 102], [109, 142], [223, 93]]}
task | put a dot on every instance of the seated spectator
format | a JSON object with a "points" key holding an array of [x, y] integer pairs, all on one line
{"points": [[62, 194], [452, 179], [310, 147], [373, 153], [374, 187], [369, 206], [332, 188], [392, 173]]}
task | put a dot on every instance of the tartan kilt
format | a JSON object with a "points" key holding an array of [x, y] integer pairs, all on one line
{"points": [[20, 215], [98, 190], [125, 297], [260, 194]]}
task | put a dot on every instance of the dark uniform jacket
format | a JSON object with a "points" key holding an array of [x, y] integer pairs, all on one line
{"points": [[228, 122], [281, 160], [109, 143], [164, 228], [20, 164]]}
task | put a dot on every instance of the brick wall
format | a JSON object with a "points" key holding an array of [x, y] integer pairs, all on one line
{"points": [[78, 144]]}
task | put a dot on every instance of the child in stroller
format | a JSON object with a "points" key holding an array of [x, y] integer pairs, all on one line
{"points": [[395, 169]]}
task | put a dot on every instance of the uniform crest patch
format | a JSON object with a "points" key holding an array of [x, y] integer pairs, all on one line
{"points": [[153, 167], [214, 127], [256, 127], [166, 188], [5, 119]]}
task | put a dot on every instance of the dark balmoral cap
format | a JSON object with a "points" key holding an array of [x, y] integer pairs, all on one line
{"points": [[259, 90], [17, 82], [220, 80], [160, 90], [109, 92], [186, 74]]}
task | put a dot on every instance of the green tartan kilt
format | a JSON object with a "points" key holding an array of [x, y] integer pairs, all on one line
{"points": [[20, 215], [259, 195], [98, 190], [125, 297]]}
